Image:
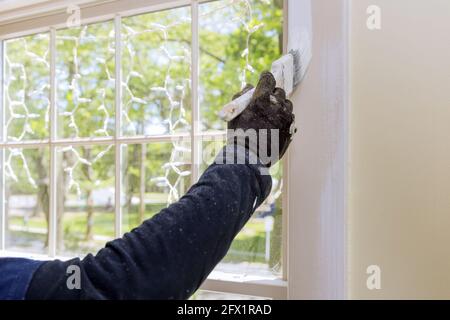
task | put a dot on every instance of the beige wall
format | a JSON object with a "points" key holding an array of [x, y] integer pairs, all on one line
{"points": [[399, 205]]}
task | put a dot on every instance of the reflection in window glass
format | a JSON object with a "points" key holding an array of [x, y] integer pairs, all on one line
{"points": [[27, 86], [238, 40], [155, 175], [27, 199], [156, 58], [257, 248], [85, 86], [85, 198]]}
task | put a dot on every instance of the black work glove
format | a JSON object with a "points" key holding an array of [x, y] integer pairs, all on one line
{"points": [[269, 109]]}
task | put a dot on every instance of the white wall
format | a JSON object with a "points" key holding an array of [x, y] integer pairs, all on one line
{"points": [[317, 163], [399, 208]]}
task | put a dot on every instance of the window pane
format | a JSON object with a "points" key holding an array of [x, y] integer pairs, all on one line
{"points": [[27, 85], [27, 199], [257, 248], [85, 87], [238, 40], [210, 149], [85, 198], [156, 73], [154, 176]]}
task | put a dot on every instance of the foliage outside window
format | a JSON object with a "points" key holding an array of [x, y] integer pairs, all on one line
{"points": [[237, 40]]}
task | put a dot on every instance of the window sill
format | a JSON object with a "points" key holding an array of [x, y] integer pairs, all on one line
{"points": [[249, 285], [219, 281]]}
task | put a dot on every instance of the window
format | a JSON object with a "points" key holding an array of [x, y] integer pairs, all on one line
{"points": [[85, 158]]}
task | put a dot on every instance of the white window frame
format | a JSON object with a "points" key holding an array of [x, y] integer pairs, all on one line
{"points": [[49, 16]]}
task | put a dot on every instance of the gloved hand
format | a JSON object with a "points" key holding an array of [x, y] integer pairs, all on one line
{"points": [[269, 109]]}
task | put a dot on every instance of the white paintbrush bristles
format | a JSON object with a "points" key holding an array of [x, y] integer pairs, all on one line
{"points": [[283, 70]]}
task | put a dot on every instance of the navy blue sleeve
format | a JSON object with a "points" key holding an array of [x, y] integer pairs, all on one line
{"points": [[15, 277], [170, 255]]}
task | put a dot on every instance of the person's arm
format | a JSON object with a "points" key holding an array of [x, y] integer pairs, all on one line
{"points": [[170, 255]]}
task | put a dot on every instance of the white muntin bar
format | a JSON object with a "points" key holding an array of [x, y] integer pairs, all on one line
{"points": [[118, 128], [138, 139], [2, 153], [25, 144], [195, 56], [53, 214]]}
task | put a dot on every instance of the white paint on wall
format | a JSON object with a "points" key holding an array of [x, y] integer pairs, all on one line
{"points": [[300, 32]]}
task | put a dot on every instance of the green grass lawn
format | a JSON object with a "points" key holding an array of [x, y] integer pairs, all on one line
{"points": [[249, 245]]}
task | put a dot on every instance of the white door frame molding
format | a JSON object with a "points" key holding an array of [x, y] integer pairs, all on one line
{"points": [[318, 162]]}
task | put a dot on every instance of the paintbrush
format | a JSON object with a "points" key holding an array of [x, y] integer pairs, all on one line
{"points": [[288, 72]]}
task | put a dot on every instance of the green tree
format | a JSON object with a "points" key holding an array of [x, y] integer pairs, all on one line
{"points": [[156, 91]]}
